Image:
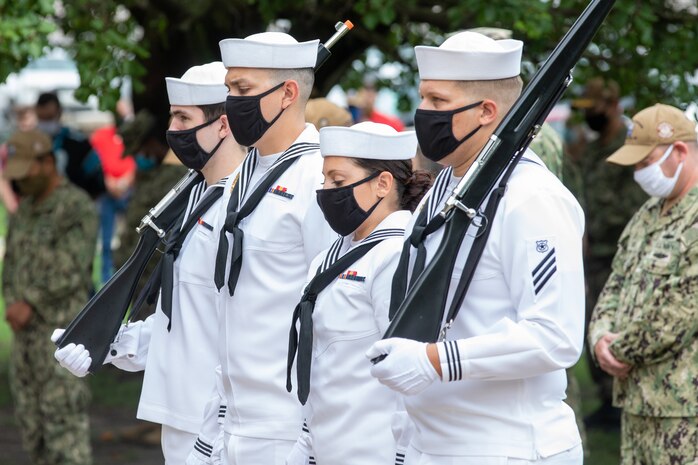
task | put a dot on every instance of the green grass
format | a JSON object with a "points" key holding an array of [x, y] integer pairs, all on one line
{"points": [[602, 446]]}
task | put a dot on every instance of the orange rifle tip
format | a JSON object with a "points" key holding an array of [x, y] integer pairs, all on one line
{"points": [[349, 24]]}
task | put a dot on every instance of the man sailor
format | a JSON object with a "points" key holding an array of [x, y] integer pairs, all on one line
{"points": [[273, 230], [177, 346], [492, 391]]}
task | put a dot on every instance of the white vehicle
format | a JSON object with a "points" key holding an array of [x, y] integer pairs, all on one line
{"points": [[55, 72]]}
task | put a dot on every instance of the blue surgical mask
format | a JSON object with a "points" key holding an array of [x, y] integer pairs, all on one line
{"points": [[51, 127]]}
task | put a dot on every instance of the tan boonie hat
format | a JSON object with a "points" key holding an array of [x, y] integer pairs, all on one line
{"points": [[653, 126], [22, 149], [596, 91], [321, 112]]}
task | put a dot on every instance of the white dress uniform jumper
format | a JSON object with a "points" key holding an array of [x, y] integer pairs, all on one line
{"points": [[351, 417], [521, 322], [520, 325], [178, 348], [271, 234]]}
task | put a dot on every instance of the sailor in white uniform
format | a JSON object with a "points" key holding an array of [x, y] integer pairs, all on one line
{"points": [[177, 346], [492, 392], [273, 230], [367, 198]]}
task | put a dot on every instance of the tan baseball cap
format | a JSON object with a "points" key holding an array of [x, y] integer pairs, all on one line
{"points": [[23, 148], [657, 125], [321, 112]]}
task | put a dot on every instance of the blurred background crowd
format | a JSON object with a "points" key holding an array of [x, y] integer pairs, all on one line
{"points": [[90, 75]]}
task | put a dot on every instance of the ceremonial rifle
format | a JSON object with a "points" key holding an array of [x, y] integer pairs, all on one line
{"points": [[420, 315], [98, 322], [100, 319]]}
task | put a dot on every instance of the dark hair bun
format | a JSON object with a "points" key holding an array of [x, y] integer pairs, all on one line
{"points": [[416, 186]]}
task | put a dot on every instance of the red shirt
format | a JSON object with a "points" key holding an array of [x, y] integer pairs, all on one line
{"points": [[109, 146], [391, 121]]}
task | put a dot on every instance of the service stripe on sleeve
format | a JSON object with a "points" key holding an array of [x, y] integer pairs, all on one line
{"points": [[544, 271]]}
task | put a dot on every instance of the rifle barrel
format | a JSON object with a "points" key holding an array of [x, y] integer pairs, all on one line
{"points": [[421, 313]]}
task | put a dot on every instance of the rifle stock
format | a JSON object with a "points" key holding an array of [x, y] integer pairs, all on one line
{"points": [[97, 324], [420, 316]]}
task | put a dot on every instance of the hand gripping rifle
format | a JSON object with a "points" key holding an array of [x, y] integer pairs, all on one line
{"points": [[98, 323], [420, 315]]}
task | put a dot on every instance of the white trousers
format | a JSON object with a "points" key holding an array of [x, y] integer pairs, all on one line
{"points": [[253, 451], [573, 456], [176, 445]]}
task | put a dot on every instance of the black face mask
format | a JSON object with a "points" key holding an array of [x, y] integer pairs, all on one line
{"points": [[245, 117], [187, 148], [434, 130], [341, 209], [32, 186], [596, 121]]}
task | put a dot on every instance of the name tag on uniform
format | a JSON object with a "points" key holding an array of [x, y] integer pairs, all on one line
{"points": [[281, 191], [352, 276]]}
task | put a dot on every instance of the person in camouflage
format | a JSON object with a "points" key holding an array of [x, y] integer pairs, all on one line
{"points": [[609, 197], [46, 281], [548, 146], [645, 324]]}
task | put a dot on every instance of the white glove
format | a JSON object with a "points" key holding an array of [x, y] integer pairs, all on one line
{"points": [[297, 456], [74, 358], [406, 369], [124, 352], [198, 457]]}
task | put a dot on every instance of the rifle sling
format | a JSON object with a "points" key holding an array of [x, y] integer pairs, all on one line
{"points": [[302, 341], [479, 243], [162, 276]]}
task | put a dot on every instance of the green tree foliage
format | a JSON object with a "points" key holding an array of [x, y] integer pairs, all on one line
{"points": [[24, 32], [647, 46], [105, 42], [101, 36]]}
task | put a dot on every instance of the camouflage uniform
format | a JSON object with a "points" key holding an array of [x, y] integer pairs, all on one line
{"points": [[650, 300], [50, 248], [609, 196], [548, 146]]}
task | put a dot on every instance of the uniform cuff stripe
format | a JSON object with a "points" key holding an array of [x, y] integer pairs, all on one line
{"points": [[203, 448], [450, 360]]}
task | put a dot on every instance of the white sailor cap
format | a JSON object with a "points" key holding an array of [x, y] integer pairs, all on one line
{"points": [[374, 141], [269, 50], [470, 56], [200, 85]]}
